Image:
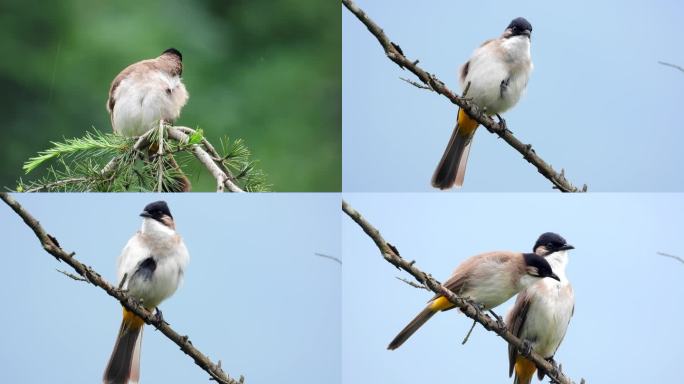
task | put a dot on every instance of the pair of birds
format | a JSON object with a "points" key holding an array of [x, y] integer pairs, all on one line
{"points": [[542, 310]]}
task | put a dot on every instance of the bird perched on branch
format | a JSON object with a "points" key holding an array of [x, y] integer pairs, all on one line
{"points": [[146, 94], [488, 279], [151, 268], [542, 312], [494, 78]]}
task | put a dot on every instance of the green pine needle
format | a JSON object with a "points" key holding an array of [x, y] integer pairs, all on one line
{"points": [[92, 144]]}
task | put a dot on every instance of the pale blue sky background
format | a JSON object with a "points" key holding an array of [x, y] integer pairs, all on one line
{"points": [[627, 322], [255, 296], [598, 103]]}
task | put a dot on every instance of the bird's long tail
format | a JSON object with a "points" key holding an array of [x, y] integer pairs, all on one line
{"points": [[524, 370], [451, 169], [124, 364], [438, 304]]}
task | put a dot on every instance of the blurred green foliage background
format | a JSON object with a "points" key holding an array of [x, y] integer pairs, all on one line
{"points": [[268, 72]]}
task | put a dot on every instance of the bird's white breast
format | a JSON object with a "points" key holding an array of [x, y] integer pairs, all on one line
{"points": [[143, 98], [170, 255], [551, 307], [500, 60]]}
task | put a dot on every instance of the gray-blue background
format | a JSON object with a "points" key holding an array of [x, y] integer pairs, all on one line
{"points": [[627, 325], [254, 297], [598, 104]]}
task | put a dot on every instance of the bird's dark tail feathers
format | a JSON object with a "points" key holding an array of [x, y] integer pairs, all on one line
{"points": [[124, 364], [452, 166], [412, 327]]}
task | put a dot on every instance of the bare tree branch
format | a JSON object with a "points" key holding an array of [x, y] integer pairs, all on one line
{"points": [[671, 65], [672, 256], [51, 246], [394, 53], [223, 179], [391, 254]]}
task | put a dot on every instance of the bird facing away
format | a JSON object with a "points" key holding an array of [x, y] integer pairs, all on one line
{"points": [[488, 279], [151, 267], [146, 92], [495, 78], [541, 313]]}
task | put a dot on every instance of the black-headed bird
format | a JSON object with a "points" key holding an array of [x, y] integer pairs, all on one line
{"points": [[488, 279], [541, 313], [495, 77], [151, 267]]}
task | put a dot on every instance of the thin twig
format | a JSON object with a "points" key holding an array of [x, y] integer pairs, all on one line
{"points": [[672, 256], [222, 179], [465, 340], [671, 65], [51, 246], [212, 151], [328, 257], [71, 275], [416, 84], [160, 156], [467, 307], [411, 283], [141, 142], [395, 54], [58, 183]]}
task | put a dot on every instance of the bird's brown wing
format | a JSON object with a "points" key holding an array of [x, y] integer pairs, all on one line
{"points": [[140, 66], [516, 320]]}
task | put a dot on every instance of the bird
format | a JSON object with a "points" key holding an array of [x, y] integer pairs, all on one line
{"points": [[541, 313], [150, 269], [488, 279], [494, 79], [148, 93]]}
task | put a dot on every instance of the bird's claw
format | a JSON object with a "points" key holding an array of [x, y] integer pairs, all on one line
{"points": [[499, 321], [158, 315], [502, 123]]}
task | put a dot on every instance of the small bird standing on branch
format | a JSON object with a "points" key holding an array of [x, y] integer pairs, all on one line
{"points": [[494, 78], [146, 94], [151, 268], [488, 279], [542, 312]]}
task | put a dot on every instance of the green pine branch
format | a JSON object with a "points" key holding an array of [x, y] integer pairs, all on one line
{"points": [[105, 162]]}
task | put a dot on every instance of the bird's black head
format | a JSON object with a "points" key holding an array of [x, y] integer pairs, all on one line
{"points": [[519, 26], [174, 51], [537, 266], [156, 211], [549, 243]]}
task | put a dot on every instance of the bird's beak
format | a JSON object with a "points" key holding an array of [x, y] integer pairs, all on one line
{"points": [[145, 214], [566, 247], [554, 276], [527, 33]]}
